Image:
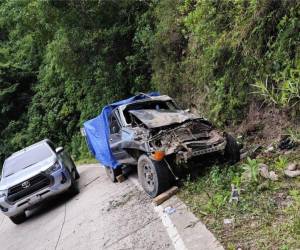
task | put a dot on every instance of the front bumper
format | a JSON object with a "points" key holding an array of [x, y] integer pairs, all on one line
{"points": [[184, 156], [61, 181]]}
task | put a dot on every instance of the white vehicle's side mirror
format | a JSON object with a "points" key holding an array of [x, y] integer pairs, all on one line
{"points": [[59, 150], [187, 110]]}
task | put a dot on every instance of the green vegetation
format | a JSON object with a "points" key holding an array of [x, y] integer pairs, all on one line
{"points": [[267, 213], [62, 61], [251, 170], [88, 160]]}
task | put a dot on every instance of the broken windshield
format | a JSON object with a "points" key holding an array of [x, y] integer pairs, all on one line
{"points": [[154, 105]]}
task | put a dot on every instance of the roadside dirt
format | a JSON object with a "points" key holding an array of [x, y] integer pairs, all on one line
{"points": [[264, 124]]}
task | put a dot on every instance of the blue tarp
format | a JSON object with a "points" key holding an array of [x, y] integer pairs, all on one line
{"points": [[97, 132]]}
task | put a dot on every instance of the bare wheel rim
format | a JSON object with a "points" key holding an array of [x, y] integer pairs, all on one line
{"points": [[148, 176]]}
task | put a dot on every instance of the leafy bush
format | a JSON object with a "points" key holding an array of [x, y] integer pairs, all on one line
{"points": [[62, 61], [281, 163], [251, 170]]}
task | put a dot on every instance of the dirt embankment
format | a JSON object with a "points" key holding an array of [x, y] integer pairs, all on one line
{"points": [[265, 125]]}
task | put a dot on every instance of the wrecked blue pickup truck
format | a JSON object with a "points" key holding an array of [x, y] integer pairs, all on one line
{"points": [[151, 132]]}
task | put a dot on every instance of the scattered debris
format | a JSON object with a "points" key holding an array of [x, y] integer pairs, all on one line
{"points": [[287, 143], [264, 172], [86, 184], [273, 176], [165, 195], [235, 193], [292, 173], [228, 221], [244, 155], [191, 224], [292, 170], [255, 151], [121, 201], [292, 166], [169, 210], [252, 153], [269, 149], [120, 178], [202, 212]]}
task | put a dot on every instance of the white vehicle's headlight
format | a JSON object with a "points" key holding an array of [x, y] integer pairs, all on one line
{"points": [[53, 168]]}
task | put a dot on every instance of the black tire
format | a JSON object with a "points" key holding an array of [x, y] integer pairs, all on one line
{"points": [[73, 189], [154, 176], [113, 173], [19, 218], [77, 175], [232, 150]]}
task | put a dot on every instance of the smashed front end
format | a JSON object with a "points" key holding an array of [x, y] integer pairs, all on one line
{"points": [[189, 139]]}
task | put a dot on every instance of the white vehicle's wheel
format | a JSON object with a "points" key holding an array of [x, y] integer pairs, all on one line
{"points": [[73, 189], [19, 218]]}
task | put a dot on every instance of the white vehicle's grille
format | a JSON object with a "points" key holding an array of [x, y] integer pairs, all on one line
{"points": [[28, 187]]}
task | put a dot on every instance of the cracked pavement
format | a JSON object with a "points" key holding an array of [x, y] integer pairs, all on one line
{"points": [[103, 216]]}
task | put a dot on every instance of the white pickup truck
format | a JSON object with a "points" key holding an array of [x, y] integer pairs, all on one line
{"points": [[33, 174]]}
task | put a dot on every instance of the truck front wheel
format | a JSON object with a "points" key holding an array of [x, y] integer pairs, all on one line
{"points": [[19, 218], [154, 176]]}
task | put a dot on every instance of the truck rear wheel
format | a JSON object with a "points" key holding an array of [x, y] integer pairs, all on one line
{"points": [[113, 173], [154, 176], [19, 218]]}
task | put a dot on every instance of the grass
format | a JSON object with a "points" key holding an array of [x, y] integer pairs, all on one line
{"points": [[86, 161], [267, 215]]}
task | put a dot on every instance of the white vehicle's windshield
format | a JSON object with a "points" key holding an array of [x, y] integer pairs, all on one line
{"points": [[26, 159]]}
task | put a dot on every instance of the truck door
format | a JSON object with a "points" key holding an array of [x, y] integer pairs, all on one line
{"points": [[115, 140]]}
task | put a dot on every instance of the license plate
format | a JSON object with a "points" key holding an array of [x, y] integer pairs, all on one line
{"points": [[35, 199]]}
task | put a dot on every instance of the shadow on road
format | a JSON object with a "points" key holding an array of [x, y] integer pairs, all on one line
{"points": [[59, 200], [48, 205]]}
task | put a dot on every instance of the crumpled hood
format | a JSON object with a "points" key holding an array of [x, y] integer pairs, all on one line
{"points": [[159, 118]]}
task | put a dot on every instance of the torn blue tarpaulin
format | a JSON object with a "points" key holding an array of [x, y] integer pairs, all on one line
{"points": [[97, 131]]}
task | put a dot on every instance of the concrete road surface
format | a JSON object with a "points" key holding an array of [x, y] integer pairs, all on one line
{"points": [[105, 216]]}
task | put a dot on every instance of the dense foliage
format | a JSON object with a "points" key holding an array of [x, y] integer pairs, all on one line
{"points": [[61, 61]]}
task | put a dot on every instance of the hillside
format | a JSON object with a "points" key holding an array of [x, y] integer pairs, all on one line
{"points": [[235, 62], [60, 62]]}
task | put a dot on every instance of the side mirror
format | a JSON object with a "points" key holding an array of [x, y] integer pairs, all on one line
{"points": [[59, 150], [187, 110]]}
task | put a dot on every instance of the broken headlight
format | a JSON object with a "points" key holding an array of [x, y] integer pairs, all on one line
{"points": [[53, 168]]}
